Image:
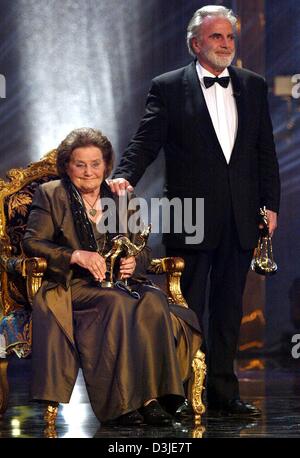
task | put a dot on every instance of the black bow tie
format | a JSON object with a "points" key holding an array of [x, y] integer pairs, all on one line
{"points": [[208, 81]]}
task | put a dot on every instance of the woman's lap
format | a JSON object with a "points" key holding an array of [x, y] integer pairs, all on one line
{"points": [[126, 347]]}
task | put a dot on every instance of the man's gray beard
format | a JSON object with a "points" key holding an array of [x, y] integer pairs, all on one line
{"points": [[219, 62]]}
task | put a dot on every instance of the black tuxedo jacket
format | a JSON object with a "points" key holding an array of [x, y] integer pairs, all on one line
{"points": [[177, 119]]}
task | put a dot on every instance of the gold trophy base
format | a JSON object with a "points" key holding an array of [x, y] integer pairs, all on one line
{"points": [[107, 284]]}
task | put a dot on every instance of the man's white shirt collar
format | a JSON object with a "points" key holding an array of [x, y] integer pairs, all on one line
{"points": [[201, 71]]}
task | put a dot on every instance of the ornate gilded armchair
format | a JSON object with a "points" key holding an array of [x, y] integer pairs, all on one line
{"points": [[21, 277]]}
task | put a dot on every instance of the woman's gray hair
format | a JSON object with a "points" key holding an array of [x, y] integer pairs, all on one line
{"points": [[200, 15], [81, 138]]}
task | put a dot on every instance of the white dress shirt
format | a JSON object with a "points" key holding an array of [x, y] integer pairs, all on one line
{"points": [[222, 109]]}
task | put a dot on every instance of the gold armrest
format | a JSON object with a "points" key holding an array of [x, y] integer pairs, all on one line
{"points": [[30, 268], [173, 267], [33, 269], [22, 265]]}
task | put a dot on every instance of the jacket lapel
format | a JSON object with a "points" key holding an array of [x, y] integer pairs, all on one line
{"points": [[240, 104], [201, 118], [67, 225], [202, 121]]}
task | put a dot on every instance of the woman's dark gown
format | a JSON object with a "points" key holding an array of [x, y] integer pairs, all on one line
{"points": [[126, 346]]}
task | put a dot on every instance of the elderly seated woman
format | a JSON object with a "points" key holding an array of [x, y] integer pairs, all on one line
{"points": [[124, 342]]}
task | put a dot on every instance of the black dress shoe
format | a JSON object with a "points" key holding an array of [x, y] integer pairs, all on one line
{"points": [[155, 415], [235, 407], [185, 411], [133, 418], [239, 407]]}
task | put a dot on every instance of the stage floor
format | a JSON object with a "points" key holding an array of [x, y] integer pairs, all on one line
{"points": [[273, 385]]}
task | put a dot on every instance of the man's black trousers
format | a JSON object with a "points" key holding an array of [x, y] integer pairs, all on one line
{"points": [[227, 265]]}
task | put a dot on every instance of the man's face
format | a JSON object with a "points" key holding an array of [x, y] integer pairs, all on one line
{"points": [[215, 44]]}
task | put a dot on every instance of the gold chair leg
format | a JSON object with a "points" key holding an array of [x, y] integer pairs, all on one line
{"points": [[50, 413], [196, 385], [4, 388], [198, 431], [50, 432]]}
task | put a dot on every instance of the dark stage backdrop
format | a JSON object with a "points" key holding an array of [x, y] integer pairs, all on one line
{"points": [[73, 63]]}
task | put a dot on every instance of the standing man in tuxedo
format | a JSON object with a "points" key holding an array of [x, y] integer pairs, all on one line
{"points": [[213, 122]]}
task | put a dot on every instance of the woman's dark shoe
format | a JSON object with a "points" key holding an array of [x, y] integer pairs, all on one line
{"points": [[155, 415], [133, 418]]}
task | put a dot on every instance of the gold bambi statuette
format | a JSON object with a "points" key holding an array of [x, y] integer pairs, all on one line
{"points": [[121, 245], [263, 261]]}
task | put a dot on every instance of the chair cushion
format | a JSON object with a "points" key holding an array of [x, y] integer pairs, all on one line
{"points": [[15, 334]]}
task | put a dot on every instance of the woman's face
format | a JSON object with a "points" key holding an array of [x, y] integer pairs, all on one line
{"points": [[86, 168]]}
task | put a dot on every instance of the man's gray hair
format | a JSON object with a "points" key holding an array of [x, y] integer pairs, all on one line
{"points": [[200, 15]]}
